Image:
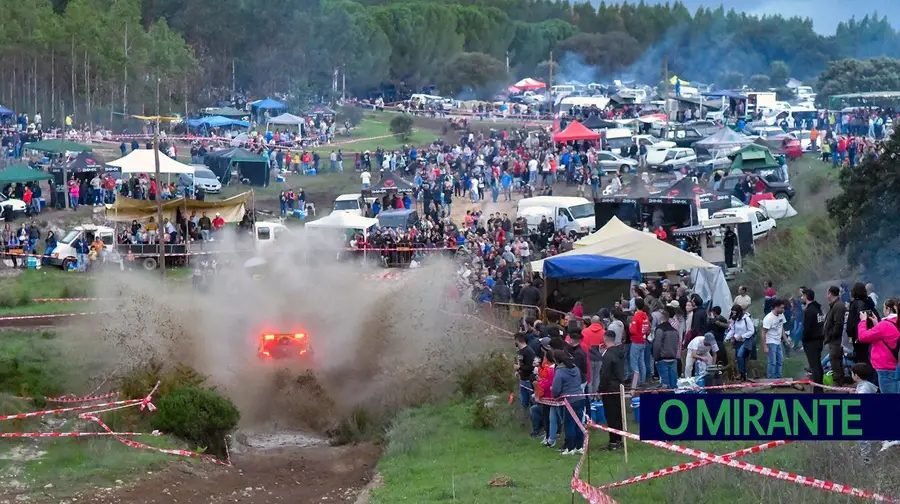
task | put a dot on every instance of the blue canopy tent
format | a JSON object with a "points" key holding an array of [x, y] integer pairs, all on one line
{"points": [[598, 281], [5, 112], [216, 121], [731, 95], [268, 104]]}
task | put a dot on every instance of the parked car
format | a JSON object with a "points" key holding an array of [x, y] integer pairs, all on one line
{"points": [[653, 143], [17, 205], [760, 221], [675, 159], [202, 177], [611, 163], [774, 185]]}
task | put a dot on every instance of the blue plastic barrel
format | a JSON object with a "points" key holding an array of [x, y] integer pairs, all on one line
{"points": [[636, 406], [597, 414]]}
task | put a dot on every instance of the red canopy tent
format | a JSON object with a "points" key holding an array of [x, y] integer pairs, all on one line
{"points": [[575, 131], [529, 83]]}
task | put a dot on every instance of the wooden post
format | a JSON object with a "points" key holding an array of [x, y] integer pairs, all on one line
{"points": [[161, 247], [624, 420]]}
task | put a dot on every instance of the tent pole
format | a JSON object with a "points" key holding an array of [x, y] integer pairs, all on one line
{"points": [[160, 246]]}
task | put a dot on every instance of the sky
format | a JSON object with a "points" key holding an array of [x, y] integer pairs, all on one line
{"points": [[826, 14]]}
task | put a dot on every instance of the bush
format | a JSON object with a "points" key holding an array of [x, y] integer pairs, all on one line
{"points": [[493, 373], [401, 126], [11, 299], [200, 416], [816, 183], [27, 374], [352, 114], [141, 381], [359, 426], [491, 412]]}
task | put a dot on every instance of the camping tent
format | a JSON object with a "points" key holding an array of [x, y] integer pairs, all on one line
{"points": [[752, 157], [575, 131], [143, 161], [616, 239], [57, 146], [724, 139], [286, 119], [267, 104], [19, 174], [390, 181], [591, 267], [250, 166], [529, 83], [343, 220]]}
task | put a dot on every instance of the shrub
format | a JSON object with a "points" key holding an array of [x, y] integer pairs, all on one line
{"points": [[141, 381], [352, 114], [491, 412], [493, 373], [11, 299], [401, 126], [200, 416], [359, 426], [816, 182]]}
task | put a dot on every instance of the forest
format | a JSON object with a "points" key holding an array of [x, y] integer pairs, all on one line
{"points": [[107, 56]]}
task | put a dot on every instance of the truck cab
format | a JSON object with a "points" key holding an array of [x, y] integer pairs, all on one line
{"points": [[64, 255], [353, 204], [760, 222], [579, 212]]}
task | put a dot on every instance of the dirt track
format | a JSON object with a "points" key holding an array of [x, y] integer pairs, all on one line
{"points": [[291, 475]]}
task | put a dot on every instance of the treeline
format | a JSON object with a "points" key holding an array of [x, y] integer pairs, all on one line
{"points": [[110, 55]]}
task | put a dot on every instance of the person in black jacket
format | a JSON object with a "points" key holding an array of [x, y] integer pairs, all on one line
{"points": [[860, 302], [813, 337], [612, 376], [578, 353], [834, 332]]}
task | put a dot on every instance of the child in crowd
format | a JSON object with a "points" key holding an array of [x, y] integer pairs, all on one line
{"points": [[862, 374]]}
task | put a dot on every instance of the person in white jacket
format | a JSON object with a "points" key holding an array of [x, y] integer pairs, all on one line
{"points": [[741, 331]]}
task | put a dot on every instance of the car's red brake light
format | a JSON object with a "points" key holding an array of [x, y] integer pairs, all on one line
{"points": [[269, 337], [299, 335]]}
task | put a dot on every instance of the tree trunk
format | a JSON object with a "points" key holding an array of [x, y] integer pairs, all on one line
{"points": [[73, 84]]}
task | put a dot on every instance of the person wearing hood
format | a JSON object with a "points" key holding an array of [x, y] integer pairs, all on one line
{"points": [[593, 338], [813, 337], [742, 331], [665, 350], [612, 377], [578, 353], [860, 302], [567, 382]]}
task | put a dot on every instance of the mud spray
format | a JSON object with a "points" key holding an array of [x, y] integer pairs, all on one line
{"points": [[378, 345]]}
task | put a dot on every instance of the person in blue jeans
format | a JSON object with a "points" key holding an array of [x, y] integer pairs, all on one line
{"points": [[741, 332], [665, 349], [567, 382], [773, 331]]}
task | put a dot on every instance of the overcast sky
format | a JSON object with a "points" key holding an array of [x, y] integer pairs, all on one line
{"points": [[826, 14]]}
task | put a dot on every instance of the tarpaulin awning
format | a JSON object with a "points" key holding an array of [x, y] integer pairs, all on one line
{"points": [[268, 104], [128, 209], [143, 161], [83, 162], [217, 122], [19, 174], [733, 95], [723, 139], [57, 146], [592, 267], [575, 131], [320, 110], [342, 220]]}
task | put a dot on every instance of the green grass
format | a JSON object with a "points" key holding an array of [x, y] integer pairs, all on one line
{"points": [[434, 455], [326, 183]]}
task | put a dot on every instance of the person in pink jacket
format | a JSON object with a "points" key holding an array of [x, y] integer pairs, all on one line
{"points": [[883, 338]]}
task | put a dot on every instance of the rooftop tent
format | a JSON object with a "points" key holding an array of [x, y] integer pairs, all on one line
{"points": [[575, 131], [250, 166], [732, 95], [19, 174], [752, 157], [724, 139], [592, 267], [342, 220], [143, 161], [5, 112], [268, 104], [57, 146], [392, 182], [529, 83]]}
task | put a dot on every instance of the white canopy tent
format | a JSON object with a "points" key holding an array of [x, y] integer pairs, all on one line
{"points": [[287, 119], [341, 220], [143, 161]]}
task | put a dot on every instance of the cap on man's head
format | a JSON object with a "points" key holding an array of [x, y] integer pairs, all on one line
{"points": [[673, 304], [545, 341]]}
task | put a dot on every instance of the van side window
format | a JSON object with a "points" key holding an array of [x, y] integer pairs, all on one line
{"points": [[565, 211], [107, 239], [263, 233]]}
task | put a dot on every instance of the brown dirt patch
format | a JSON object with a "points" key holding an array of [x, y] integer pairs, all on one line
{"points": [[297, 476]]}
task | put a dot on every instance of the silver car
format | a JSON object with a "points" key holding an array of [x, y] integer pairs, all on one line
{"points": [[202, 177], [610, 162]]}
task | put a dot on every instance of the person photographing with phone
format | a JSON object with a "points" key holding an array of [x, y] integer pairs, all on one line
{"points": [[883, 336]]}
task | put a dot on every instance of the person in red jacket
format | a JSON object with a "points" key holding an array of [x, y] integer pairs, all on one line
{"points": [[639, 329]]}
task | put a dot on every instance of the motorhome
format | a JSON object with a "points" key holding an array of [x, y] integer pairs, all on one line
{"points": [[579, 212]]}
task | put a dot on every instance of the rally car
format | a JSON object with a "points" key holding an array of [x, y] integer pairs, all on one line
{"points": [[280, 346]]}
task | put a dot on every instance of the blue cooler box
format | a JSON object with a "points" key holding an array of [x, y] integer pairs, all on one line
{"points": [[636, 406], [597, 414]]}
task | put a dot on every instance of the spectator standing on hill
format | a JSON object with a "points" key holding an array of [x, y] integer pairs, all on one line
{"points": [[567, 382], [742, 332], [773, 332], [665, 350], [813, 338], [742, 299], [834, 327], [612, 376], [884, 340], [718, 325], [525, 370], [593, 337], [639, 329]]}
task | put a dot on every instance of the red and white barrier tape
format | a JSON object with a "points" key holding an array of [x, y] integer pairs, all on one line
{"points": [[71, 399], [37, 435], [799, 479], [68, 300], [49, 316]]}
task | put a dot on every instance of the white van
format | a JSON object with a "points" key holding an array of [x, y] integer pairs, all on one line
{"points": [[760, 221], [353, 204], [578, 211], [563, 88]]}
